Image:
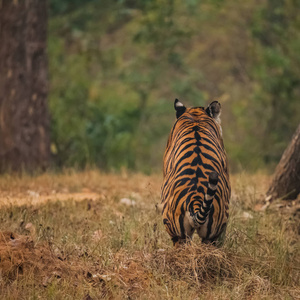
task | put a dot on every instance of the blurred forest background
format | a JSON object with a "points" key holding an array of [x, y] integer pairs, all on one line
{"points": [[116, 67]]}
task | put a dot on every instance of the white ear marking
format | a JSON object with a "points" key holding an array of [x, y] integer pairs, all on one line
{"points": [[179, 104], [210, 112]]}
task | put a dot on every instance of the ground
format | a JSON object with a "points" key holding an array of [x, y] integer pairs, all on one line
{"points": [[91, 235]]}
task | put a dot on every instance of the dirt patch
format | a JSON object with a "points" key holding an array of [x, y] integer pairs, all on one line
{"points": [[19, 256], [34, 198]]}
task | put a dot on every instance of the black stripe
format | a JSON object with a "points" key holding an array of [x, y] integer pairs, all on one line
{"points": [[210, 221], [181, 218]]}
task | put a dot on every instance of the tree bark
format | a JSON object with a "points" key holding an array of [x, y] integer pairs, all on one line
{"points": [[24, 117], [286, 181]]}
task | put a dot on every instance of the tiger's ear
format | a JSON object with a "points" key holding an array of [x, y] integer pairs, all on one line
{"points": [[179, 107], [214, 110]]}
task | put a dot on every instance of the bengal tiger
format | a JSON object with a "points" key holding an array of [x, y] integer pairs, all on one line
{"points": [[196, 187]]}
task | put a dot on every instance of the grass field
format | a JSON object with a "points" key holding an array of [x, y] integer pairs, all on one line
{"points": [[90, 235]]}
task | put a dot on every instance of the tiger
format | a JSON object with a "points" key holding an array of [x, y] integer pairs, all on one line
{"points": [[196, 187]]}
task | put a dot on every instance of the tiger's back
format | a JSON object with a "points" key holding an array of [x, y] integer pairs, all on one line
{"points": [[196, 187]]}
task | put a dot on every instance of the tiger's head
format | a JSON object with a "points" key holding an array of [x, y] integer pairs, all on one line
{"points": [[213, 110]]}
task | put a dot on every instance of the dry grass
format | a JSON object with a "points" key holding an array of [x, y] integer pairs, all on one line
{"points": [[69, 236]]}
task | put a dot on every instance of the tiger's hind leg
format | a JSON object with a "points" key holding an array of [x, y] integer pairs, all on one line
{"points": [[219, 240], [186, 239], [186, 230]]}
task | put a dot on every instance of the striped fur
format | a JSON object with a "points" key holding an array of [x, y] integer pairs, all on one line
{"points": [[196, 187]]}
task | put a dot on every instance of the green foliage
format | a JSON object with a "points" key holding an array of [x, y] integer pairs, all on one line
{"points": [[117, 66], [276, 36], [58, 7]]}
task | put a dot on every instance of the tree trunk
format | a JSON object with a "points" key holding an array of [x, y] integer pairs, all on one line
{"points": [[24, 118], [286, 181]]}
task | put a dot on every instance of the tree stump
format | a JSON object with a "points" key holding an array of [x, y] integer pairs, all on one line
{"points": [[286, 180]]}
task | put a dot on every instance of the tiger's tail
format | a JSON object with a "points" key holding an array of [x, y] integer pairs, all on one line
{"points": [[200, 216]]}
